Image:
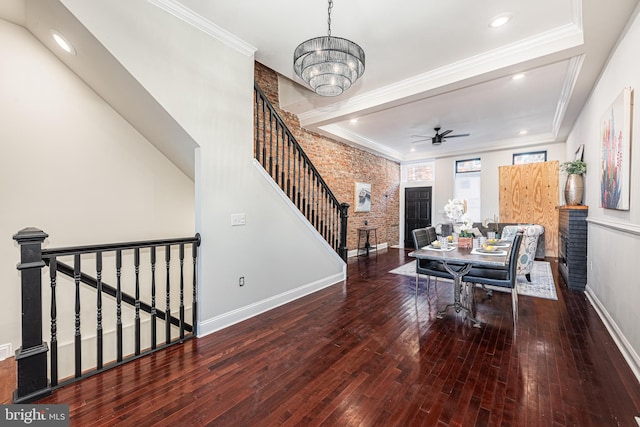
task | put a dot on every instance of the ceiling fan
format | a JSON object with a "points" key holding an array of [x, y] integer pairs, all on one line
{"points": [[438, 137]]}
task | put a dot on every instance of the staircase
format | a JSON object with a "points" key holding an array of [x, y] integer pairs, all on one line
{"points": [[284, 160]]}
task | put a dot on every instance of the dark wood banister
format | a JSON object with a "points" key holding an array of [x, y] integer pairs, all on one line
{"points": [[297, 145], [32, 356], [340, 233], [72, 250], [67, 270]]}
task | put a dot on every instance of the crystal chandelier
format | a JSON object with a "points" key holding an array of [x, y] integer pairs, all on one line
{"points": [[330, 65]]}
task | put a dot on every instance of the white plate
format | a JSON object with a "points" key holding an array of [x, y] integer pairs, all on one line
{"points": [[480, 251], [433, 248], [500, 244]]}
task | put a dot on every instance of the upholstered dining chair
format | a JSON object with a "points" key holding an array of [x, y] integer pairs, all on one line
{"points": [[504, 278], [528, 248], [423, 237]]}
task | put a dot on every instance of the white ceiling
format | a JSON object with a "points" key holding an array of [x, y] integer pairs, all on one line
{"points": [[438, 63], [428, 63]]}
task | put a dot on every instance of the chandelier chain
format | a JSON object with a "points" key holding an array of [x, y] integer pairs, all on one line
{"points": [[329, 16]]}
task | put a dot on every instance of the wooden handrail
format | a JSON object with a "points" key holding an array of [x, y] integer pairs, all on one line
{"points": [[280, 154], [34, 354]]}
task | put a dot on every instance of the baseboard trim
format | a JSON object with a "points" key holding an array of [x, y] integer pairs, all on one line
{"points": [[621, 341], [225, 320], [354, 252], [5, 351]]}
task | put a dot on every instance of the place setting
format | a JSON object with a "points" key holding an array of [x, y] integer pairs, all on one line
{"points": [[444, 244], [493, 247], [488, 250]]}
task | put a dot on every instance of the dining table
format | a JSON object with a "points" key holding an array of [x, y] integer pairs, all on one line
{"points": [[458, 261]]}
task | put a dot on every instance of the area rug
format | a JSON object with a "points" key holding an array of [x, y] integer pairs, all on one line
{"points": [[541, 286]]}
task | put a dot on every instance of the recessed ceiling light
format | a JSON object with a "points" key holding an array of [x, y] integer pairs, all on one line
{"points": [[500, 20], [524, 132], [413, 149], [63, 42], [354, 120], [518, 76]]}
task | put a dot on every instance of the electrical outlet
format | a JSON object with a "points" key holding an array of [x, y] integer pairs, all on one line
{"points": [[241, 281], [238, 219]]}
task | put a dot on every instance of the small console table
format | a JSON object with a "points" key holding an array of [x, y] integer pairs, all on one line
{"points": [[365, 233]]}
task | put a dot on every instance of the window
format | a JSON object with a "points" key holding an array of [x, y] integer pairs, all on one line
{"points": [[469, 165], [531, 157], [467, 186], [417, 172]]}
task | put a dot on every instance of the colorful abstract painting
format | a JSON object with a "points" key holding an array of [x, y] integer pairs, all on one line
{"points": [[615, 152]]}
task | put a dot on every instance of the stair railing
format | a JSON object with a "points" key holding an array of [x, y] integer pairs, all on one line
{"points": [[283, 158], [32, 358]]}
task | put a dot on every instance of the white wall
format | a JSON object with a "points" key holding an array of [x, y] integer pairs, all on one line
{"points": [[73, 167], [208, 88], [612, 277], [445, 173]]}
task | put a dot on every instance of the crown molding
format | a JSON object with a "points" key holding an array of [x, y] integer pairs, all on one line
{"points": [[562, 38], [335, 131], [576, 13], [197, 21], [573, 72]]}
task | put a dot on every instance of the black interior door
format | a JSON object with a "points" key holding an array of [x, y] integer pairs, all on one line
{"points": [[417, 211]]}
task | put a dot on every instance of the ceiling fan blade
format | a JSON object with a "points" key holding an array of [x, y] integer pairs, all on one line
{"points": [[421, 140], [445, 133], [420, 136], [456, 136]]}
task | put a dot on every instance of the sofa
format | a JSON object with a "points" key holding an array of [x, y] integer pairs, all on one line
{"points": [[540, 245], [537, 245]]}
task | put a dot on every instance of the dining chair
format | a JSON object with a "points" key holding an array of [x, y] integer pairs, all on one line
{"points": [[423, 237], [504, 278], [531, 234]]}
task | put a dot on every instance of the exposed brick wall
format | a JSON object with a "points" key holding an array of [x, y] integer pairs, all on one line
{"points": [[341, 166]]}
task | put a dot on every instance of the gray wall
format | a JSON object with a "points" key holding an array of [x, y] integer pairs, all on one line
{"points": [[208, 88], [72, 166], [614, 236]]}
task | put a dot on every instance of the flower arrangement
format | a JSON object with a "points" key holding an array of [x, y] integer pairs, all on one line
{"points": [[577, 167], [465, 228], [454, 209]]}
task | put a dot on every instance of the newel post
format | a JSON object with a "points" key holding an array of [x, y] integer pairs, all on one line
{"points": [[31, 357], [343, 250]]}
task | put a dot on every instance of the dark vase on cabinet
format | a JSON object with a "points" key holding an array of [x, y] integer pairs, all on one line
{"points": [[572, 246]]}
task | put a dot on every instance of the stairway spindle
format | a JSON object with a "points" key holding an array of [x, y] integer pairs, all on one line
{"points": [[54, 323], [167, 325], [181, 291], [99, 361], [136, 266], [77, 334], [118, 305], [153, 298]]}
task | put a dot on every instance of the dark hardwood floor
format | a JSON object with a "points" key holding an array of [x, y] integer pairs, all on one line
{"points": [[365, 353]]}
